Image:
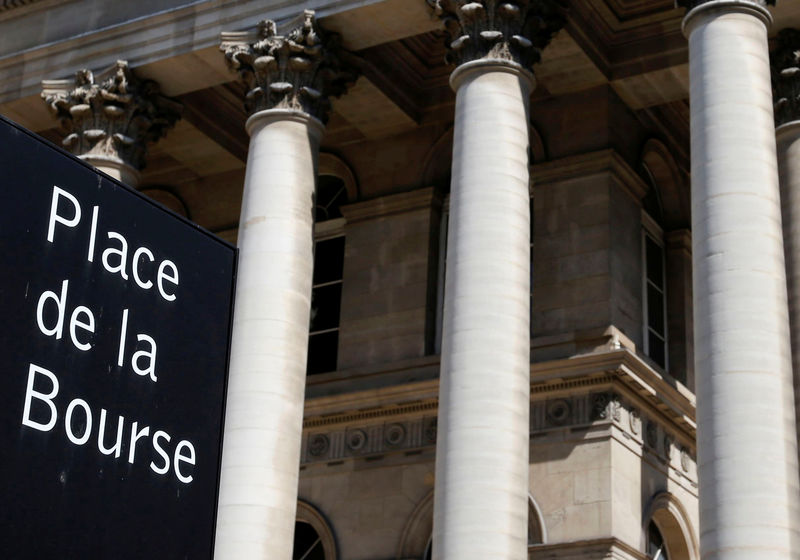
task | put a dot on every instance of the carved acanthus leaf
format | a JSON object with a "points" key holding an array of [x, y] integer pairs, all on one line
{"points": [[785, 61], [114, 115], [513, 30], [299, 69]]}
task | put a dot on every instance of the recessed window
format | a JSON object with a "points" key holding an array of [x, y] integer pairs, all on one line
{"points": [[654, 296], [437, 345], [656, 550], [531, 261], [326, 299], [331, 194], [326, 293], [307, 543]]}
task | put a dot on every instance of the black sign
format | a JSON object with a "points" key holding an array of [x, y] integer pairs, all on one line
{"points": [[115, 318]]}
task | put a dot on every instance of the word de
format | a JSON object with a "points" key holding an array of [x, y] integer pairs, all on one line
{"points": [[50, 298]]}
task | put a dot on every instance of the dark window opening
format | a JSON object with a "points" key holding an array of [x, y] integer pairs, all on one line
{"points": [[331, 194], [326, 299], [326, 293], [654, 296], [656, 550], [307, 543]]}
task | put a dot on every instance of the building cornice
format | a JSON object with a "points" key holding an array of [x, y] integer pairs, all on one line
{"points": [[618, 367], [611, 548], [389, 205], [582, 165], [612, 394], [183, 30]]}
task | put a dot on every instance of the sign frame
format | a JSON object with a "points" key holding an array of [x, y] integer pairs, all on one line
{"points": [[185, 223]]}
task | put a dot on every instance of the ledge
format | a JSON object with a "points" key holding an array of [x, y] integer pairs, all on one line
{"points": [[414, 383], [579, 166], [389, 205]]}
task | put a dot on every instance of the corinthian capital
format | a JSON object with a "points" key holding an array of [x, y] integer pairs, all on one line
{"points": [[785, 61], [113, 116], [689, 4], [515, 30], [299, 68]]}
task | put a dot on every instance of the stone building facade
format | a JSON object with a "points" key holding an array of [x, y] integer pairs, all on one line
{"points": [[491, 297]]}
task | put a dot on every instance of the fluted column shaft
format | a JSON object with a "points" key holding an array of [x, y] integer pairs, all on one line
{"points": [[747, 457], [480, 506], [263, 423]]}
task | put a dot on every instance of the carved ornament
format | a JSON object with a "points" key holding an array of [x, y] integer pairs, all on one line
{"points": [[515, 31], [298, 69], [113, 116], [785, 61]]}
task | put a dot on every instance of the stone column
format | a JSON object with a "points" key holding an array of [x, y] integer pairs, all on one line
{"points": [[111, 119], [481, 492], [786, 92], [747, 450], [288, 77]]}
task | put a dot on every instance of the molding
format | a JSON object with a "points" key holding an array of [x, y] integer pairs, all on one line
{"points": [[610, 548], [606, 388], [378, 412], [417, 531], [307, 513], [679, 240], [366, 387], [331, 164], [663, 393], [675, 525], [589, 340], [673, 189], [368, 440], [572, 167], [189, 28], [389, 205]]}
